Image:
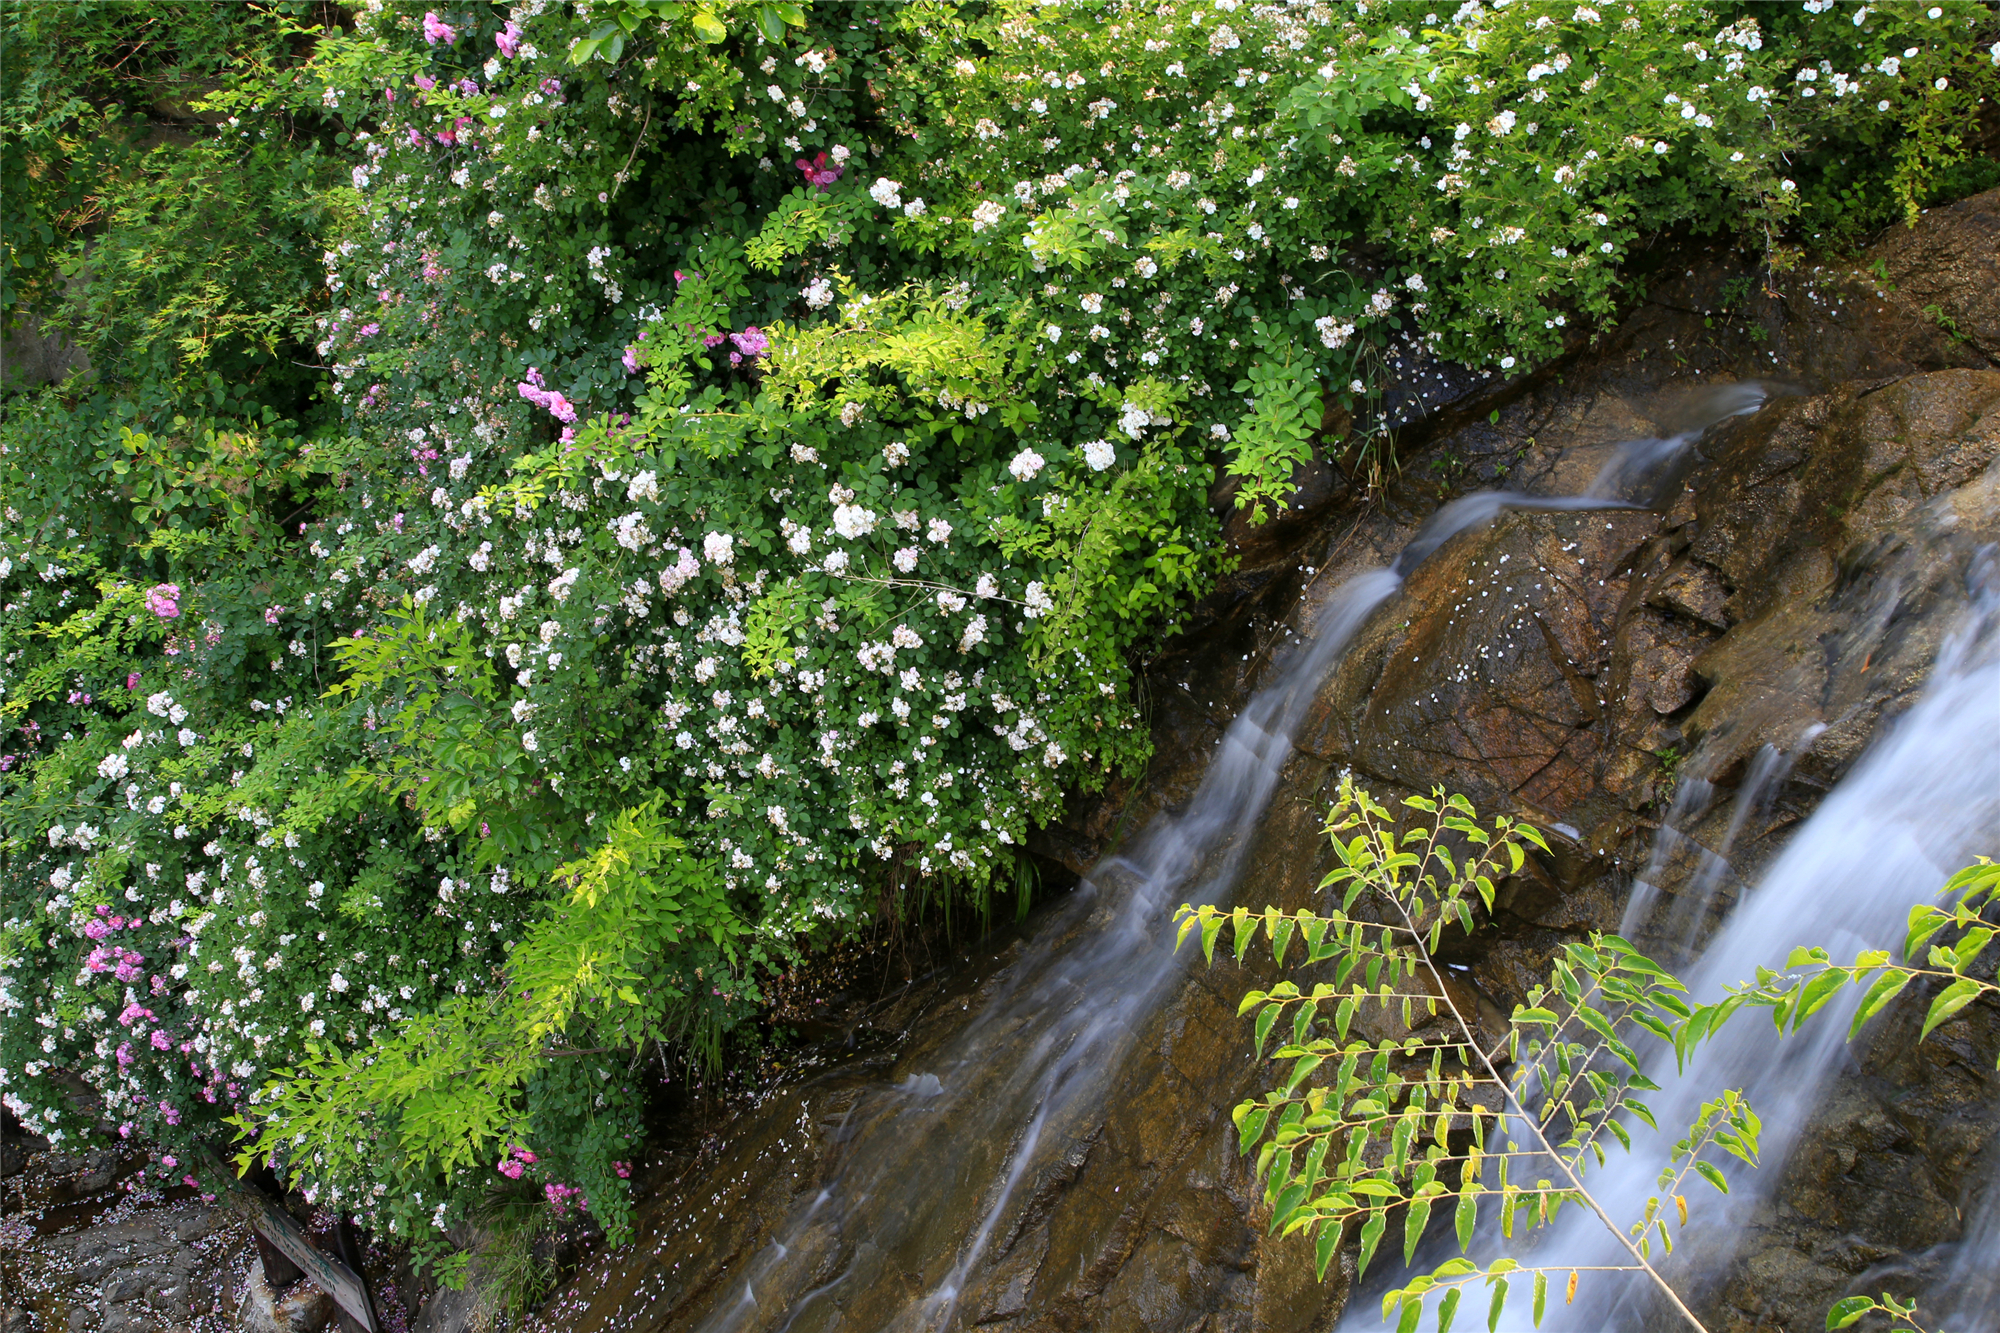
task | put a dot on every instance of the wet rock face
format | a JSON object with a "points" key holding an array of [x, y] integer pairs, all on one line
{"points": [[1585, 670], [89, 1244]]}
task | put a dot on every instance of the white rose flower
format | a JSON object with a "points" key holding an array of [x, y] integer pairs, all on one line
{"points": [[852, 521], [1099, 454], [1025, 465], [719, 548]]}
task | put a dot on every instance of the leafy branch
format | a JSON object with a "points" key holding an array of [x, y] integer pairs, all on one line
{"points": [[1811, 979], [1396, 1102], [1424, 1114], [1275, 438]]}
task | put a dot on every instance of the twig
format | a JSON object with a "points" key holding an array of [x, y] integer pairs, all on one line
{"points": [[1507, 1092]]}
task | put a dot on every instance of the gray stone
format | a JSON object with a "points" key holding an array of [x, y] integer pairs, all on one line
{"points": [[31, 357], [131, 1319], [192, 1225], [449, 1311], [303, 1308]]}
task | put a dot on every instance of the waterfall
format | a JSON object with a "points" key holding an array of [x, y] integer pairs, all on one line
{"points": [[1922, 802], [1693, 795], [1024, 1081]]}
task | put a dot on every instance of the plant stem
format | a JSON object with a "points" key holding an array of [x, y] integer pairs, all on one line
{"points": [[1506, 1091]]}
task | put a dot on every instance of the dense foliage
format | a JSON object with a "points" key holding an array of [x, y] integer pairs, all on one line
{"points": [[576, 504]]}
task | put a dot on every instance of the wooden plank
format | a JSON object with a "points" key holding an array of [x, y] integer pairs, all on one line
{"points": [[276, 1227], [324, 1271]]}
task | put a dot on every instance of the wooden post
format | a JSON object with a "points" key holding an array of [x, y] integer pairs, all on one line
{"points": [[276, 1230], [329, 1274], [279, 1271]]}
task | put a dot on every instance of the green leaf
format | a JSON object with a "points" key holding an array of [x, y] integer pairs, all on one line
{"points": [[1817, 992], [1448, 1309], [1413, 1312], [1541, 1296], [1849, 1311], [770, 23], [1499, 1304], [1713, 1175], [1281, 1211], [1265, 1019], [1414, 1221], [1325, 1247], [1925, 921], [1886, 988], [1251, 1128], [707, 27], [1281, 935], [1371, 1236], [1949, 1001], [1466, 1215], [1211, 926]]}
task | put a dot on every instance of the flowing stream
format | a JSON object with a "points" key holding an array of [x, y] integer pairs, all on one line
{"points": [[1920, 804], [1026, 1078]]}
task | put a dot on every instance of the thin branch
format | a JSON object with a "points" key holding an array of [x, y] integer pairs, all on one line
{"points": [[1575, 1180]]}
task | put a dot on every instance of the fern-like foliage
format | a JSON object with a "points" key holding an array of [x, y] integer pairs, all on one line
{"points": [[1395, 1102], [449, 1089]]}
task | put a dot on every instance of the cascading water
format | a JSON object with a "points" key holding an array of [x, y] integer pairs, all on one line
{"points": [[1645, 917], [1923, 802], [1025, 1078]]}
